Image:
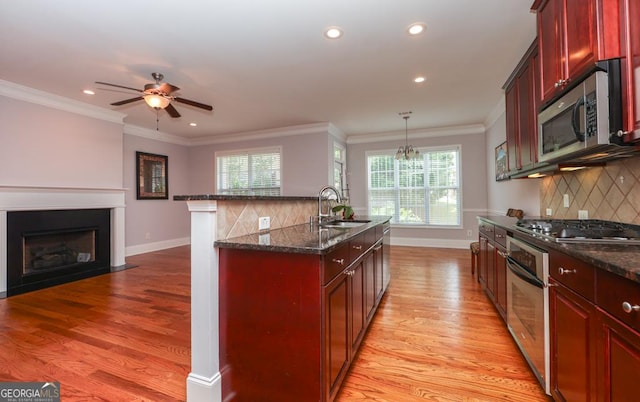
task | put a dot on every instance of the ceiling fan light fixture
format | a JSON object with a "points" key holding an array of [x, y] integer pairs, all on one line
{"points": [[157, 101]]}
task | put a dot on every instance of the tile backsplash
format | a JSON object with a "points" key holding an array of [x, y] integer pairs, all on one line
{"points": [[610, 192]]}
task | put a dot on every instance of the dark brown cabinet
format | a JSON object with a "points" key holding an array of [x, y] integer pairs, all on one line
{"points": [[572, 322], [291, 324], [595, 343], [572, 36], [631, 67], [336, 333], [521, 104], [492, 267], [619, 358]]}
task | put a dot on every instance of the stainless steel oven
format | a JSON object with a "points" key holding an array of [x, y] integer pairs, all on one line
{"points": [[528, 304]]}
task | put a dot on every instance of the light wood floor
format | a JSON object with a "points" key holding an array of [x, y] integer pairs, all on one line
{"points": [[125, 336]]}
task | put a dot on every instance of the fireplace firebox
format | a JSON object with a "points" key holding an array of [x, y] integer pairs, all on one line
{"points": [[47, 248]]}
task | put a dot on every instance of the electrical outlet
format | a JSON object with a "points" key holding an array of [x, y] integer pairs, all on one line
{"points": [[565, 200], [264, 223], [147, 236], [549, 212], [469, 233], [583, 214]]}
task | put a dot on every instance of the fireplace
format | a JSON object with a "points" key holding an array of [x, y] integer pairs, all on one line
{"points": [[50, 247]]}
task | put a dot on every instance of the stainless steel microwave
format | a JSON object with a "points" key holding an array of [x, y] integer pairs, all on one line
{"points": [[585, 119]]}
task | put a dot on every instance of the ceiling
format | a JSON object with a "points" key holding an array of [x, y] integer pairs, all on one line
{"points": [[266, 64]]}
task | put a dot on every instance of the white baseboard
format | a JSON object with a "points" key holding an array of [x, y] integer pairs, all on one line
{"points": [[160, 245], [202, 389], [422, 242]]}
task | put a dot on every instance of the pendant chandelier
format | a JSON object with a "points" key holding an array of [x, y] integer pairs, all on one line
{"points": [[407, 152]]}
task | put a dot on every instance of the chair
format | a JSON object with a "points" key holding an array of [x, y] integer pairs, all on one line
{"points": [[475, 246]]}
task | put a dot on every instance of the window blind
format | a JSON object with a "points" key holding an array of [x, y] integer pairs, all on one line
{"points": [[249, 172]]}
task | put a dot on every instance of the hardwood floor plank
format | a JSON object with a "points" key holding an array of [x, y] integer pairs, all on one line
{"points": [[125, 336]]}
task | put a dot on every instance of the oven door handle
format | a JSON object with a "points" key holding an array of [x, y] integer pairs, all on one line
{"points": [[524, 274]]}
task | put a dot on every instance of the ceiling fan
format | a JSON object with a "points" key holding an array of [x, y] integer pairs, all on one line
{"points": [[158, 96]]}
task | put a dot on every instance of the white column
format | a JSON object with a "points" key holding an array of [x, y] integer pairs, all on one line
{"points": [[117, 237], [204, 381]]}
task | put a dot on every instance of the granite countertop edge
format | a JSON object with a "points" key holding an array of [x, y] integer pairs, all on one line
{"points": [[297, 243], [622, 260], [229, 197]]}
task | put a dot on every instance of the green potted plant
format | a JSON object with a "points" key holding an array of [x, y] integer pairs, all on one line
{"points": [[347, 210]]}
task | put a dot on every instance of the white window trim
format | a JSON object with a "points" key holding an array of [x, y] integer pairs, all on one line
{"points": [[387, 152], [277, 148]]}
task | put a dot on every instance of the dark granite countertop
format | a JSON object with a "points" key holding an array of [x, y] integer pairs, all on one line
{"points": [[303, 239], [620, 259], [228, 197]]}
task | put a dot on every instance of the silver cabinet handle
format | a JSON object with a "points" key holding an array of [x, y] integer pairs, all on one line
{"points": [[628, 308], [357, 247], [340, 261], [350, 273], [502, 254], [563, 271]]}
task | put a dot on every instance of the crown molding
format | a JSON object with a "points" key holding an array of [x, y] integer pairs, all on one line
{"points": [[303, 129], [155, 135], [417, 133], [27, 94]]}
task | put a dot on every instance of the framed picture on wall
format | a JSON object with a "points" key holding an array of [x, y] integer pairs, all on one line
{"points": [[152, 175], [501, 162]]}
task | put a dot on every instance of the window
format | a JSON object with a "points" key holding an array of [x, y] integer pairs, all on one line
{"points": [[338, 169], [424, 191], [248, 172]]}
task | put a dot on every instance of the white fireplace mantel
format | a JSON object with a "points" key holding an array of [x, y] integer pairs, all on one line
{"points": [[56, 198]]}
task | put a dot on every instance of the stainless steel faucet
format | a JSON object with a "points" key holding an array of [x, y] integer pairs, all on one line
{"points": [[322, 215]]}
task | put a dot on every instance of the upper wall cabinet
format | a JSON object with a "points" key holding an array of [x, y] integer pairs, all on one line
{"points": [[521, 104], [631, 65], [572, 36]]}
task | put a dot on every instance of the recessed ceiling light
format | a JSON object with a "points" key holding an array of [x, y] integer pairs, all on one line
{"points": [[89, 92], [419, 79], [416, 29], [193, 124], [333, 32]]}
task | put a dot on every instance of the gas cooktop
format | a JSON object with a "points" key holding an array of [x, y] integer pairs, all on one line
{"points": [[581, 230]]}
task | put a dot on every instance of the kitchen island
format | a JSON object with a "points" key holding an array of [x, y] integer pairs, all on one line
{"points": [[295, 303], [216, 218]]}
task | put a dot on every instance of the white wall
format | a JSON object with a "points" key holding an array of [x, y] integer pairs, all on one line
{"points": [[45, 147], [516, 193], [305, 160], [474, 187], [156, 224]]}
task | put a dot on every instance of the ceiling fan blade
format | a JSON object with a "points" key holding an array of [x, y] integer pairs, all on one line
{"points": [[167, 88], [124, 102], [172, 111], [194, 103], [118, 86]]}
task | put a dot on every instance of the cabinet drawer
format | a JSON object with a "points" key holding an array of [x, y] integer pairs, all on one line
{"points": [[486, 229], [500, 236], [612, 291], [335, 262], [357, 246], [572, 273]]}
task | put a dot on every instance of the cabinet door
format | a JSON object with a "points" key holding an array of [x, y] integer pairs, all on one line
{"points": [[482, 261], [631, 39], [501, 281], [528, 112], [378, 265], [358, 312], [619, 360], [572, 322], [513, 143], [336, 336], [580, 36], [550, 46], [491, 271]]}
